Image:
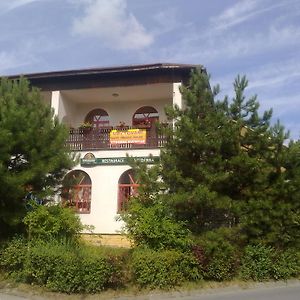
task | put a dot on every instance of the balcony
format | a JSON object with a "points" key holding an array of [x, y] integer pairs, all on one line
{"points": [[83, 139]]}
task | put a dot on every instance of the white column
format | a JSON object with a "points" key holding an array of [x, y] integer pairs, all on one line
{"points": [[57, 105], [177, 97], [55, 99]]}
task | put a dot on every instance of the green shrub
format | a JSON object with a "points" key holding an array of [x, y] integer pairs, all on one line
{"points": [[262, 262], [153, 226], [13, 257], [52, 222], [286, 264], [163, 269], [62, 267], [257, 262], [219, 256]]}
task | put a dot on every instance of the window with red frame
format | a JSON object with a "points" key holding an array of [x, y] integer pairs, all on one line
{"points": [[98, 118], [146, 115], [127, 188], [77, 188]]}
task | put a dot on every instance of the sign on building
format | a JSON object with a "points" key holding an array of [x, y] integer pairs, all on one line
{"points": [[130, 136]]}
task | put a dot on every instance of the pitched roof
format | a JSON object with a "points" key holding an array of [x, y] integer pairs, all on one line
{"points": [[111, 76]]}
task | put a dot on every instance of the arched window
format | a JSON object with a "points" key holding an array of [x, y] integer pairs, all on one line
{"points": [[77, 188], [146, 115], [127, 187], [98, 118]]}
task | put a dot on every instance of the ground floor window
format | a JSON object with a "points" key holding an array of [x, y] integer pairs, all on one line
{"points": [[127, 187], [77, 189]]}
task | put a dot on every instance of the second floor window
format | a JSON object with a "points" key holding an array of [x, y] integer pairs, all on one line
{"points": [[98, 118], [146, 115]]}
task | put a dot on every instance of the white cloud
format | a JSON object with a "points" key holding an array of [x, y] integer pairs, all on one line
{"points": [[267, 77], [110, 21], [8, 5], [166, 21], [232, 46], [275, 75], [248, 44], [235, 14], [10, 61], [241, 12]]}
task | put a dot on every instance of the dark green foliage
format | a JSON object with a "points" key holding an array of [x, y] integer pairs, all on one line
{"points": [[163, 269], [192, 161], [216, 155], [287, 264], [223, 166], [52, 222], [32, 151], [13, 256], [220, 258], [63, 267], [261, 262]]}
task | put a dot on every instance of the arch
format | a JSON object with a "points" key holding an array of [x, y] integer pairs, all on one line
{"points": [[77, 190], [145, 115], [98, 118], [127, 188]]}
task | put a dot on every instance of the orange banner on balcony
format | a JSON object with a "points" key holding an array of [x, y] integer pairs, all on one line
{"points": [[130, 136]]}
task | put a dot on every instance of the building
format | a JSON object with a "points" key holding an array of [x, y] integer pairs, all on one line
{"points": [[111, 112]]}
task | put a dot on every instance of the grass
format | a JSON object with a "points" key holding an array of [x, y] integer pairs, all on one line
{"points": [[189, 288]]}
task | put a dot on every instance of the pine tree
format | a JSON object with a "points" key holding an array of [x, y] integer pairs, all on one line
{"points": [[32, 152], [224, 165], [271, 214], [193, 160]]}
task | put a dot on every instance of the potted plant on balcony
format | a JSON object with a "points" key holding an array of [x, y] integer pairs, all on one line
{"points": [[86, 127], [146, 123], [122, 125]]}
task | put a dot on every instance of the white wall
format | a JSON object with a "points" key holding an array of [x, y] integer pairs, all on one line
{"points": [[105, 190], [119, 111], [72, 108]]}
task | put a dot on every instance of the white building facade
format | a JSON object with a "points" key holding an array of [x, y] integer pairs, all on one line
{"points": [[111, 113]]}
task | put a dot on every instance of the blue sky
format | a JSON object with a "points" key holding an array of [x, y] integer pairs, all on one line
{"points": [[258, 38]]}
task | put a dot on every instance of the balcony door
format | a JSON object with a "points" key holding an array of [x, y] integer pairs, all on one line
{"points": [[99, 118], [145, 116]]}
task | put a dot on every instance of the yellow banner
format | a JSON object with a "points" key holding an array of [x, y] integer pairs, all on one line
{"points": [[130, 136]]}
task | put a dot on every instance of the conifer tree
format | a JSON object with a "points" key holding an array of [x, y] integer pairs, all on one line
{"points": [[32, 150], [192, 161], [224, 165]]}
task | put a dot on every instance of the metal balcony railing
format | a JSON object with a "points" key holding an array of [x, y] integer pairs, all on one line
{"points": [[99, 139]]}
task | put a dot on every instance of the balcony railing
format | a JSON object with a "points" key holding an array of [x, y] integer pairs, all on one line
{"points": [[99, 138]]}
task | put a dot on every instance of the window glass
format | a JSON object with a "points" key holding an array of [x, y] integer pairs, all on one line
{"points": [[127, 187], [77, 188], [98, 118], [145, 115]]}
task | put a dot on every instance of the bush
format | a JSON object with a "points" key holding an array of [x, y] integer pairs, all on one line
{"points": [[217, 256], [286, 264], [62, 267], [13, 257], [52, 222], [262, 262], [152, 226], [163, 269], [257, 262]]}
